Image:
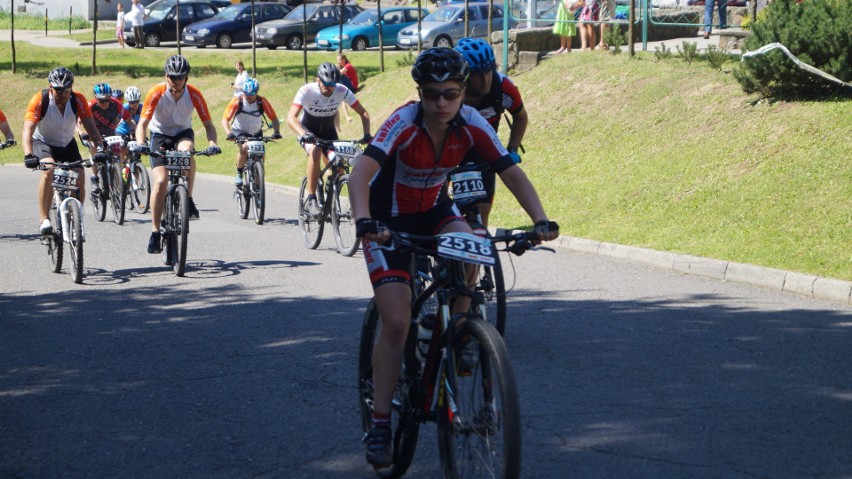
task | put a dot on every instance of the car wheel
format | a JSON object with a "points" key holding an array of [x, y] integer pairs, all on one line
{"points": [[224, 41], [294, 42], [443, 41], [359, 44], [152, 39], [272, 47]]}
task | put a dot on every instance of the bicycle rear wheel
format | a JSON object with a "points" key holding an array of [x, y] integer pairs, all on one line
{"points": [[99, 200], [342, 221], [481, 436], [75, 231], [140, 190], [258, 191], [311, 226], [180, 233], [53, 242], [117, 193], [492, 285], [403, 421]]}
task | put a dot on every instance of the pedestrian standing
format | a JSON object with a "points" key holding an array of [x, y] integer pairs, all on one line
{"points": [[137, 21], [119, 25]]}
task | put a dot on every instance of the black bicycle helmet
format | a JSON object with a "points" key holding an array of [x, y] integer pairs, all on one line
{"points": [[328, 74], [176, 66], [60, 77], [439, 64], [478, 53]]}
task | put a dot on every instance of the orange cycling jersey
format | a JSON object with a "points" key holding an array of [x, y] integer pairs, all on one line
{"points": [[247, 116], [168, 115], [56, 128]]}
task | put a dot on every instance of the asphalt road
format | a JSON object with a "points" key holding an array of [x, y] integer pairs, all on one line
{"points": [[246, 367]]}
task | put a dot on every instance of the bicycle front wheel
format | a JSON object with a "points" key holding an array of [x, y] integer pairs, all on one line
{"points": [[117, 193], [99, 200], [54, 242], [403, 421], [311, 226], [491, 284], [140, 189], [75, 231], [342, 221], [479, 424], [258, 191], [180, 232], [241, 194]]}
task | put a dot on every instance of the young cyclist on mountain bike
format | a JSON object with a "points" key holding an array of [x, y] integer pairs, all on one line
{"points": [[247, 112], [168, 110], [107, 113], [134, 107], [399, 183], [318, 103], [491, 93], [7, 131], [48, 136]]}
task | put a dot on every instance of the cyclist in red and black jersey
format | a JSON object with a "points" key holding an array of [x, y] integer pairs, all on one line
{"points": [[399, 183], [492, 93], [107, 113]]}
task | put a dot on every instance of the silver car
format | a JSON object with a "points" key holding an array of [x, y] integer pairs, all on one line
{"points": [[445, 26]]}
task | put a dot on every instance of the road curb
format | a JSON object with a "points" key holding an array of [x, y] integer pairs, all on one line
{"points": [[801, 284]]}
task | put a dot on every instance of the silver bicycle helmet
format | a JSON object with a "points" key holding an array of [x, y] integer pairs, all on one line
{"points": [[328, 74], [439, 64], [60, 77], [177, 65], [132, 94]]}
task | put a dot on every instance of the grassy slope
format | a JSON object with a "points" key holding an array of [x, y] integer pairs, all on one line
{"points": [[659, 155]]}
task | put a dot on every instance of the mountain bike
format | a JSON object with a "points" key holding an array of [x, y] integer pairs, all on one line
{"points": [[66, 217], [137, 182], [468, 190], [253, 190], [333, 198], [174, 227], [112, 187], [475, 405]]}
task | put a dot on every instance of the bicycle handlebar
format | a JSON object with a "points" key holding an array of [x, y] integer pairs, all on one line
{"points": [[516, 243], [244, 139], [65, 166], [161, 154]]}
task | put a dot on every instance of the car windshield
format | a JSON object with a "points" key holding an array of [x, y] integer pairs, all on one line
{"points": [[231, 12], [159, 12], [367, 17], [443, 14], [298, 15]]}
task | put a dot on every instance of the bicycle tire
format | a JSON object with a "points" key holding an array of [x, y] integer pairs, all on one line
{"points": [[99, 200], [181, 230], [140, 190], [75, 230], [167, 228], [54, 241], [492, 285], [258, 191], [117, 193], [405, 426], [243, 200], [482, 437], [342, 222], [312, 228]]}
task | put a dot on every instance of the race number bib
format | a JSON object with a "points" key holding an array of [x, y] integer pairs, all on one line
{"points": [[65, 179], [466, 247], [468, 187], [114, 143], [176, 160], [256, 147]]}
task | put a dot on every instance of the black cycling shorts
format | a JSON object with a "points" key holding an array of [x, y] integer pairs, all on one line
{"points": [[394, 266], [60, 154], [164, 142]]}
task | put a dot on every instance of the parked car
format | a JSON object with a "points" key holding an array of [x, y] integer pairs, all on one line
{"points": [[231, 25], [160, 25], [445, 26], [363, 31], [288, 30]]}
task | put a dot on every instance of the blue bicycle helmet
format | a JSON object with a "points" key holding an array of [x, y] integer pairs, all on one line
{"points": [[439, 64], [118, 94], [103, 91], [251, 86], [478, 53]]}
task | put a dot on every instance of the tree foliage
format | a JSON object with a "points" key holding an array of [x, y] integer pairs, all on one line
{"points": [[817, 32]]}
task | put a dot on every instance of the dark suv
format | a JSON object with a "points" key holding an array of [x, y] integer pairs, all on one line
{"points": [[288, 30], [160, 22]]}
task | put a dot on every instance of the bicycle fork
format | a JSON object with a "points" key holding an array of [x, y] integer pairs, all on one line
{"points": [[63, 213]]}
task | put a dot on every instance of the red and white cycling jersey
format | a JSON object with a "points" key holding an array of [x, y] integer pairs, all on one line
{"points": [[411, 179], [504, 96]]}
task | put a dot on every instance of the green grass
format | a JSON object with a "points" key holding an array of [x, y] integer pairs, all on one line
{"points": [[654, 154], [104, 33], [26, 21]]}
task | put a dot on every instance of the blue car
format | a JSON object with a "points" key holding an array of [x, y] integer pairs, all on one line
{"points": [[362, 31], [231, 25]]}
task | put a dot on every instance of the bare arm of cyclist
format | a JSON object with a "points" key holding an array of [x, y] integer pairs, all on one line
{"points": [[359, 190], [520, 119], [91, 129], [365, 118], [516, 180], [293, 120], [210, 130]]}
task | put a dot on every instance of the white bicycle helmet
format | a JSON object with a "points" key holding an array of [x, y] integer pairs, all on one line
{"points": [[132, 94]]}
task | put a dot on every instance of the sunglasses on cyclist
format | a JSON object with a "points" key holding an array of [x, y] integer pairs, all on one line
{"points": [[60, 91], [177, 77], [433, 94], [329, 84]]}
